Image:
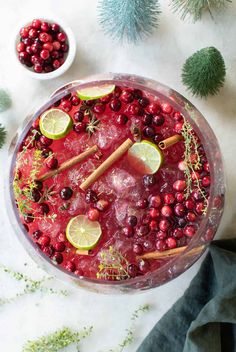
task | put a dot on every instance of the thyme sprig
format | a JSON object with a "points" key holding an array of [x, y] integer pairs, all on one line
{"points": [[57, 340], [113, 265], [129, 337], [191, 147]]}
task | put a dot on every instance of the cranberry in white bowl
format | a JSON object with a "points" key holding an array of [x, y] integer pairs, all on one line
{"points": [[45, 48]]}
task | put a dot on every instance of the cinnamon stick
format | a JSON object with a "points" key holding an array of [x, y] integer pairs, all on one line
{"points": [[168, 142], [83, 252], [170, 253], [69, 163], [117, 154]]}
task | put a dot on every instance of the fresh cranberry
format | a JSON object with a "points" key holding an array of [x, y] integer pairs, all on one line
{"points": [[61, 36], [75, 100], [33, 33], [149, 181], [178, 127], [20, 47], [206, 181], [191, 216], [195, 175], [145, 219], [155, 201], [143, 102], [35, 59], [44, 37], [166, 108], [181, 222], [190, 205], [45, 141], [142, 203], [178, 233], [79, 127], [48, 46], [78, 116], [55, 27], [29, 50], [189, 231], [29, 218], [89, 103], [161, 235], [66, 105], [121, 119], [61, 237], [179, 185], [137, 248], [164, 225], [180, 210], [127, 96], [147, 119], [37, 234], [134, 109], [166, 211], [66, 193], [38, 68], [132, 220], [59, 246], [52, 163], [153, 224], [171, 242], [161, 245], [115, 104], [149, 131], [105, 99], [93, 214], [91, 196], [206, 167], [57, 258], [48, 250], [169, 198], [102, 204], [36, 24], [45, 152], [56, 45], [137, 93], [44, 208], [144, 266], [197, 195], [99, 108], [178, 116], [44, 240], [28, 64], [200, 207], [24, 57], [56, 64], [128, 231], [24, 32], [132, 270], [158, 120], [35, 195], [28, 41], [154, 213], [153, 108], [55, 54], [143, 230], [70, 266], [64, 47]]}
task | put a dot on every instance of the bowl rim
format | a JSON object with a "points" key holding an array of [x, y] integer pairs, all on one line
{"points": [[121, 79], [68, 59]]}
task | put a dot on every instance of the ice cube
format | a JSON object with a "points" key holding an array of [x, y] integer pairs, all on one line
{"points": [[106, 136], [120, 180], [121, 210], [77, 204], [47, 226]]}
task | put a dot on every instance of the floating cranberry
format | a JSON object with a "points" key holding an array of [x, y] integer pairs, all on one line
{"points": [[99, 108], [45, 141], [197, 194], [132, 270], [105, 99], [52, 163], [144, 266], [169, 198], [178, 116], [161, 235], [121, 119], [149, 181], [180, 210], [143, 102], [59, 246], [45, 26], [117, 92], [75, 100], [145, 219], [78, 116], [102, 204], [166, 108], [153, 225], [161, 245], [79, 127], [148, 245], [57, 258], [181, 222], [158, 120], [147, 119], [61, 237], [200, 208], [206, 167], [191, 216], [37, 234], [171, 242], [91, 196], [20, 47], [45, 152], [66, 193], [70, 266], [35, 195], [164, 225], [66, 105], [44, 240], [189, 231], [36, 24], [166, 211], [134, 109], [142, 203], [61, 36], [155, 201], [149, 131], [154, 213], [55, 27], [127, 96], [137, 248], [143, 230], [128, 231], [206, 181], [190, 204], [182, 165], [132, 220], [29, 218], [48, 250], [178, 127], [179, 185], [44, 208], [178, 233], [115, 104], [93, 214], [153, 108], [195, 175], [137, 93]]}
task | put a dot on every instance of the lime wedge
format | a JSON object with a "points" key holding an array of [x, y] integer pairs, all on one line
{"points": [[145, 157], [83, 233], [91, 93], [55, 124]]}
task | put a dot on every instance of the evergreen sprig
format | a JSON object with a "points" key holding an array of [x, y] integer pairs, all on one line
{"points": [[195, 8], [3, 134], [129, 20], [5, 100], [204, 72]]}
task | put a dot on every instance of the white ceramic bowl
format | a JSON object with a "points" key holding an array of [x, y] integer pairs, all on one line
{"points": [[69, 57]]}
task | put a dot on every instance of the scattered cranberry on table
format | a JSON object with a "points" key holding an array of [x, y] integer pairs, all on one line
{"points": [[42, 46]]}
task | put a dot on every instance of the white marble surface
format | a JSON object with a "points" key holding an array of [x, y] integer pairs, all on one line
{"points": [[159, 57]]}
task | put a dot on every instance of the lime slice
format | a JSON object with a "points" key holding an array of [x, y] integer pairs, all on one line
{"points": [[91, 93], [55, 124], [83, 233], [145, 157]]}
